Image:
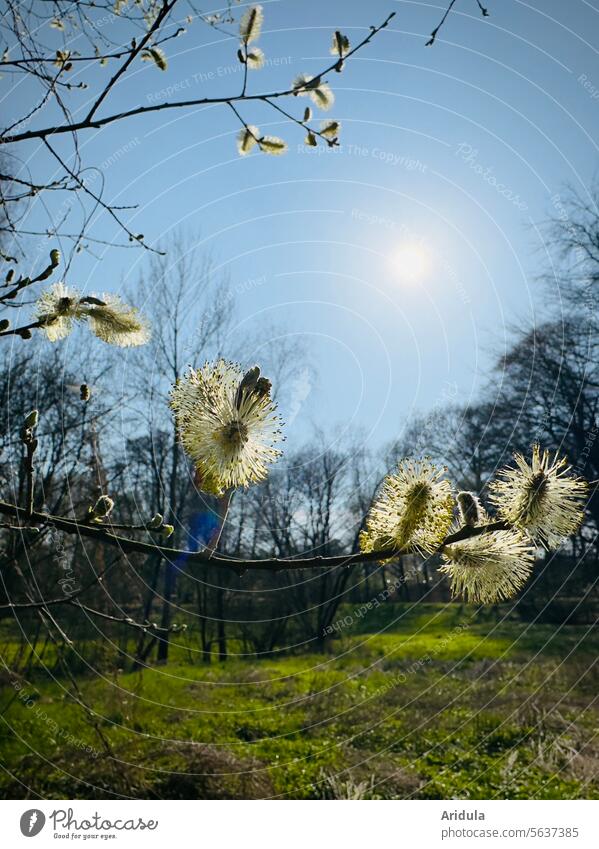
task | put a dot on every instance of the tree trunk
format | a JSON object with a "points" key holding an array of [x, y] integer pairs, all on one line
{"points": [[221, 636], [143, 649], [165, 621]]}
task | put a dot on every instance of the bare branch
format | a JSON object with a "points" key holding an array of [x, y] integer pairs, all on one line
{"points": [[98, 123], [207, 557], [433, 36]]}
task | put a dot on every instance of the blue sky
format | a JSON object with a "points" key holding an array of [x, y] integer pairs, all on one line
{"points": [[452, 152]]}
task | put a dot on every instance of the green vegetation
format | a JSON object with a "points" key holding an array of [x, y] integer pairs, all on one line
{"points": [[434, 702]]}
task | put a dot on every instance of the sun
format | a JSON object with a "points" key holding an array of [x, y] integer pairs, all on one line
{"points": [[411, 261]]}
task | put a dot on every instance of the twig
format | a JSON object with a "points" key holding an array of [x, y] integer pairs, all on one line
{"points": [[160, 17], [431, 40], [224, 504], [24, 329], [24, 282], [98, 123], [147, 627], [107, 207], [50, 60], [239, 565], [433, 36], [30, 442], [72, 600], [330, 142]]}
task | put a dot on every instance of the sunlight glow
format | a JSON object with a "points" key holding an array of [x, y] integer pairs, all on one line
{"points": [[411, 261]]}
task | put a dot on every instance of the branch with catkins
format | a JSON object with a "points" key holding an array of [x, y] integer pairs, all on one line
{"points": [[229, 426]]}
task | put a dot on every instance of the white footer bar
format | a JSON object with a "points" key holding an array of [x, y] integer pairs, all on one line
{"points": [[302, 824]]}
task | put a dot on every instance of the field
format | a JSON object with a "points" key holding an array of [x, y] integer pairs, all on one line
{"points": [[438, 701]]}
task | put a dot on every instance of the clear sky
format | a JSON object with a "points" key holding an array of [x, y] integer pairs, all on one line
{"points": [[402, 258]]}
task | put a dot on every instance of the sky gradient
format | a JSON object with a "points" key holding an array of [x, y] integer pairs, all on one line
{"points": [[460, 149]]}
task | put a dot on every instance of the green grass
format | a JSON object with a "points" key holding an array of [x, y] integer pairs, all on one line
{"points": [[434, 702]]}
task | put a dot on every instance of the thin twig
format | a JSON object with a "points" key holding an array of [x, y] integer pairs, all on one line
{"points": [[431, 40], [98, 123], [433, 36], [18, 331], [239, 565], [224, 504]]}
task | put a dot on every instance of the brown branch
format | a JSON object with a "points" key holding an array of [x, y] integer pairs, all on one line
{"points": [[107, 207], [50, 60], [239, 565], [24, 282], [433, 36], [147, 627], [330, 142], [24, 330], [98, 123], [30, 472], [72, 600], [166, 8], [224, 504], [29, 440]]}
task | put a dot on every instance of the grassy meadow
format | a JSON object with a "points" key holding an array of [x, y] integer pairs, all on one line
{"points": [[427, 702]]}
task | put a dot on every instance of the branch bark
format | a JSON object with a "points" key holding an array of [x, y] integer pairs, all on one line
{"points": [[240, 565], [90, 122]]}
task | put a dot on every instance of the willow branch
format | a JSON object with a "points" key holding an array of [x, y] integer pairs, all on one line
{"points": [[238, 565], [22, 61], [72, 599], [147, 627], [98, 200], [224, 504], [132, 55], [433, 36], [303, 124], [24, 329], [97, 123]]}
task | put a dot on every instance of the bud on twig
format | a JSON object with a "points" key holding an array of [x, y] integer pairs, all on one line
{"points": [[102, 508], [469, 508], [155, 522], [31, 419], [30, 442]]}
